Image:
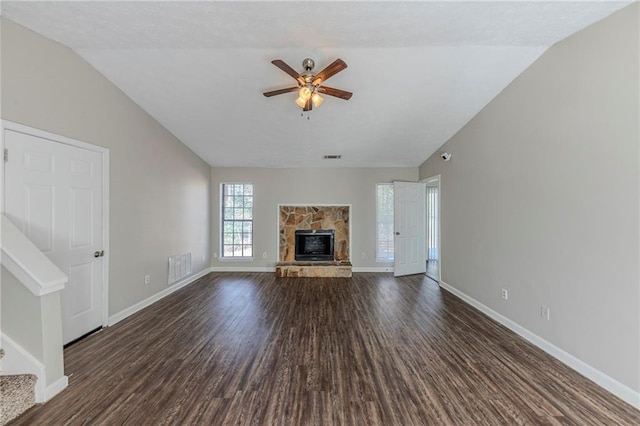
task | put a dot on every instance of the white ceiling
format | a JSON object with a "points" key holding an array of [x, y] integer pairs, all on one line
{"points": [[418, 70]]}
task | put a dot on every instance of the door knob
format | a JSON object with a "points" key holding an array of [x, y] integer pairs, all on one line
{"points": [[397, 233], [99, 253]]}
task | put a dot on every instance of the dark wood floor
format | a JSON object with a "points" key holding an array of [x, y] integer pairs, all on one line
{"points": [[372, 350]]}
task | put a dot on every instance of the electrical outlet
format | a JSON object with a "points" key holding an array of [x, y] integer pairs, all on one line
{"points": [[364, 255], [545, 312], [505, 294], [147, 279], [264, 255], [202, 259], [215, 255]]}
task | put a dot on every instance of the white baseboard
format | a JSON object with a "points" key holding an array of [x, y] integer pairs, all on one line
{"points": [[56, 387], [273, 269], [615, 387], [243, 269], [372, 269], [116, 318]]}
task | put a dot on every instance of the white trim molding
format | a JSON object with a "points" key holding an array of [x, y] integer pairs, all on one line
{"points": [[603, 380], [431, 179], [243, 269], [375, 269], [56, 387], [116, 318]]}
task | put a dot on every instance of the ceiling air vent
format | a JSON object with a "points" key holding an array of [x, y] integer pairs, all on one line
{"points": [[332, 157]]}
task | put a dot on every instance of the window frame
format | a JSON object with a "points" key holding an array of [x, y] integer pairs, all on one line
{"points": [[378, 222], [223, 220]]}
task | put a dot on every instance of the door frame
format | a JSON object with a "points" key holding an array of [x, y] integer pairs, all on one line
{"points": [[104, 153], [427, 180]]}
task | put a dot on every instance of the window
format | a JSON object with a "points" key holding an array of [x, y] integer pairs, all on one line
{"points": [[237, 220], [384, 222]]}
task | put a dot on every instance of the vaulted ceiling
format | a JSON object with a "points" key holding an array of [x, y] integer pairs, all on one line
{"points": [[419, 70]]}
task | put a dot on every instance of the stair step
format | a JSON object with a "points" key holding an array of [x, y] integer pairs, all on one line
{"points": [[18, 395]]}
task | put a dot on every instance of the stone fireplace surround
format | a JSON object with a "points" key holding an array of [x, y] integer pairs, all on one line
{"points": [[297, 217]]}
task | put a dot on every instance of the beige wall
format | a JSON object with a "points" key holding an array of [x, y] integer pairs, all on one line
{"points": [[21, 315], [34, 323], [339, 186], [159, 189], [541, 197]]}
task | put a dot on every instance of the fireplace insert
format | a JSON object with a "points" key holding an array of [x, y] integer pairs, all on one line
{"points": [[314, 245]]}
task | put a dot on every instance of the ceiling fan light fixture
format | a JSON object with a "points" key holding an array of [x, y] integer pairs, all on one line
{"points": [[310, 84], [317, 100], [304, 93], [301, 102]]}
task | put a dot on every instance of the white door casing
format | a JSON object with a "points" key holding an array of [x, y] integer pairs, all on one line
{"points": [[409, 227], [435, 181], [54, 194]]}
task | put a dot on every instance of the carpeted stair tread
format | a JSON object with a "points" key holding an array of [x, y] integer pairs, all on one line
{"points": [[17, 395]]}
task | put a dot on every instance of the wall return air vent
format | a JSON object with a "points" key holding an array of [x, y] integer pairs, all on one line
{"points": [[179, 267]]}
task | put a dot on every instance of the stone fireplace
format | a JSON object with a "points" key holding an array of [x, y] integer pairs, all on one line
{"points": [[298, 218], [294, 218]]}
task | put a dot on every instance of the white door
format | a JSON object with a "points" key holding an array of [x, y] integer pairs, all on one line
{"points": [[53, 193], [409, 227]]}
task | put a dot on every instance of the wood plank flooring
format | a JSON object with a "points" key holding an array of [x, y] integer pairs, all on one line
{"points": [[250, 349]]}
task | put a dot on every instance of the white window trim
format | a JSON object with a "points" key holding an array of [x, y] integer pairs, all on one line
{"points": [[221, 257], [378, 260]]}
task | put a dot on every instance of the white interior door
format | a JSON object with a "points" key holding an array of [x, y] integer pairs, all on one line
{"points": [[409, 227], [53, 193]]}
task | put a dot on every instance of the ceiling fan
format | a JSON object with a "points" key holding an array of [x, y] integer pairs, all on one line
{"points": [[310, 85]]}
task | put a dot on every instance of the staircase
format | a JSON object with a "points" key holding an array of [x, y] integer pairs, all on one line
{"points": [[17, 394]]}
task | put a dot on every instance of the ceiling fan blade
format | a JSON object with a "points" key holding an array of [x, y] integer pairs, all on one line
{"points": [[334, 68], [342, 94], [286, 68], [308, 106], [280, 91]]}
